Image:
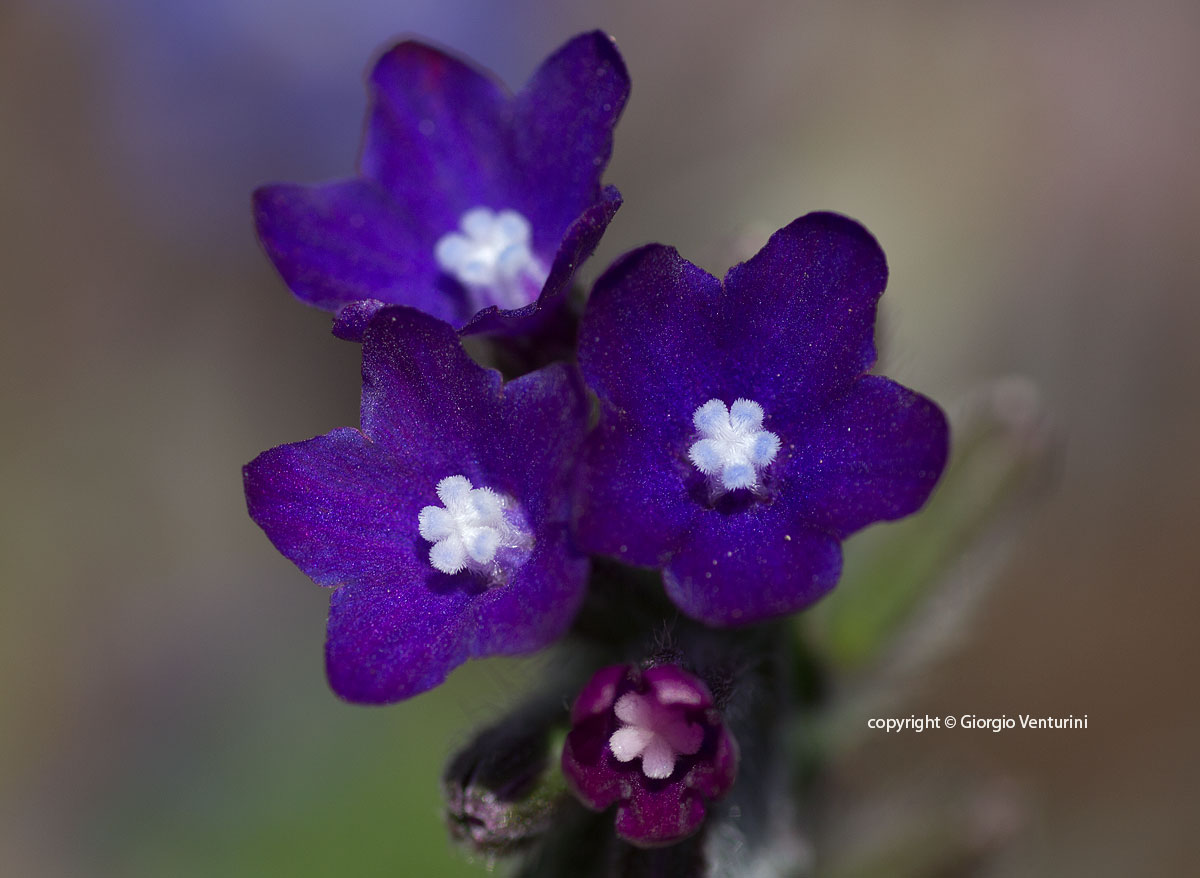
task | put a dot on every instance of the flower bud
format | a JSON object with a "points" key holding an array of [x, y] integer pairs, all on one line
{"points": [[653, 743], [499, 793]]}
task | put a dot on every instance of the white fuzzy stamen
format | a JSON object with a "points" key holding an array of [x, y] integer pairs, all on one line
{"points": [[491, 257], [470, 529], [657, 733], [733, 448]]}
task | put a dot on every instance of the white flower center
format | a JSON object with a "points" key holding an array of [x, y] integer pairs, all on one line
{"points": [[656, 732], [470, 530], [733, 448], [491, 257]]}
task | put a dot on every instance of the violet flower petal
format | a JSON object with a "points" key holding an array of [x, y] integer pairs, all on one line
{"points": [[874, 456], [387, 642], [562, 132], [342, 242], [751, 565], [333, 505], [435, 136], [799, 316], [624, 471], [351, 321], [418, 382], [646, 341]]}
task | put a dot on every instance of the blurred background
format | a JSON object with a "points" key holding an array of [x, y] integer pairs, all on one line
{"points": [[1029, 168]]}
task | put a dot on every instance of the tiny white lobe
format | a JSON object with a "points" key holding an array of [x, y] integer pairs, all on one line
{"points": [[658, 733], [468, 529], [733, 449], [491, 256]]}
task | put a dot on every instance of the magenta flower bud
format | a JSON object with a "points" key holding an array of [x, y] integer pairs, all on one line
{"points": [[653, 743]]}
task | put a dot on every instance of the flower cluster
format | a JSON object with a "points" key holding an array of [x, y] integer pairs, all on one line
{"points": [[723, 432]]}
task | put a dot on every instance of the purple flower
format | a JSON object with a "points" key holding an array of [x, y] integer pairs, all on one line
{"points": [[470, 204], [652, 743], [739, 439], [441, 523]]}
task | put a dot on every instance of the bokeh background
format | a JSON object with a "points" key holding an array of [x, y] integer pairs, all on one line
{"points": [[1030, 169]]}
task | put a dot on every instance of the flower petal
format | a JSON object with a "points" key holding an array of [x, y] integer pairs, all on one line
{"points": [[646, 342], [752, 565], [799, 318], [334, 506], [627, 470], [544, 416], [418, 383], [395, 639], [342, 242], [344, 512], [435, 137], [643, 346], [652, 818], [597, 696], [563, 131], [676, 687], [585, 754], [714, 776], [875, 456]]}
